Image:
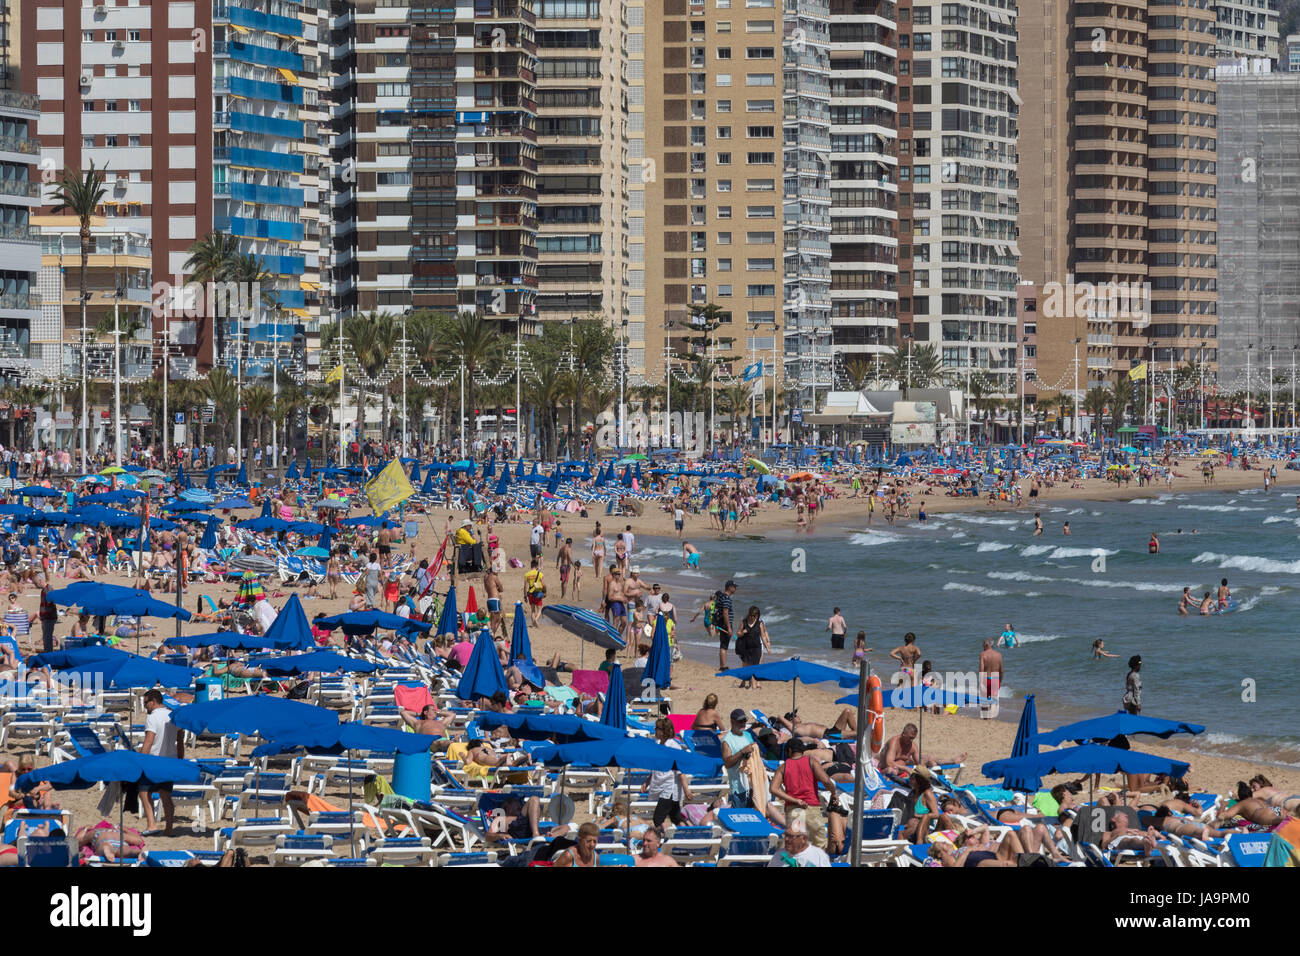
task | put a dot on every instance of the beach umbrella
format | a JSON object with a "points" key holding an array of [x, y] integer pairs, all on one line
{"points": [[40, 491], [230, 504], [367, 622], [471, 602], [258, 715], [254, 563], [242, 477], [322, 662], [131, 670], [182, 479], [587, 625], [449, 619], [209, 540], [793, 670], [229, 639], [414, 476], [482, 676], [250, 589], [1089, 759], [21, 513], [1025, 744], [427, 487], [116, 766], [614, 713], [632, 753], [1117, 724], [181, 504], [910, 697], [519, 470], [293, 474], [321, 553], [503, 484], [521, 648], [290, 630], [525, 725], [73, 656], [659, 664], [333, 503], [266, 509], [308, 472], [306, 527], [326, 540], [263, 523]]}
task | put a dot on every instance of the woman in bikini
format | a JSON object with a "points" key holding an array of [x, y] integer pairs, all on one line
{"points": [[583, 853], [597, 550], [332, 575]]}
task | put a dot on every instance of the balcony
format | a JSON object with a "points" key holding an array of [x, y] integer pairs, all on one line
{"points": [[20, 300], [20, 144], [24, 102], [20, 187]]}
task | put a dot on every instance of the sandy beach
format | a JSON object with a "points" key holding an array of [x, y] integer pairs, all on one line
{"points": [[944, 737]]}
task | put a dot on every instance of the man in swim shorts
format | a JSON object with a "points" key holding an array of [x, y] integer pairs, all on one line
{"points": [[492, 588], [617, 599], [690, 555]]}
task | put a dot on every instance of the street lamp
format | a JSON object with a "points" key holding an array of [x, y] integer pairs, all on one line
{"points": [[1271, 349], [1251, 426], [1076, 388], [1202, 364]]}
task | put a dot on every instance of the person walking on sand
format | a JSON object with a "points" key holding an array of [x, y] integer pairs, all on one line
{"points": [[1132, 700]]}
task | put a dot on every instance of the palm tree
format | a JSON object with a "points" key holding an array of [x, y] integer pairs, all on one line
{"points": [[915, 366], [81, 194], [475, 342], [592, 350], [858, 369], [736, 399], [212, 259], [545, 394], [222, 390], [1121, 397], [258, 402], [1094, 404]]}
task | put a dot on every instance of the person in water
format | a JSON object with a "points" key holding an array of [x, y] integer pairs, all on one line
{"points": [[1153, 546], [1008, 638], [1099, 650], [1186, 602], [1224, 594], [1206, 604]]}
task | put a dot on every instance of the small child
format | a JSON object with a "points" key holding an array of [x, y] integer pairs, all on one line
{"points": [[559, 533], [860, 646], [575, 580]]}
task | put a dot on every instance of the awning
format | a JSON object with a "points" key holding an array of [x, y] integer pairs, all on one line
{"points": [[287, 74], [1015, 250], [301, 313], [308, 286], [238, 29]]}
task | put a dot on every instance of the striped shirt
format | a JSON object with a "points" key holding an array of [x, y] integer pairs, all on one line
{"points": [[17, 619]]}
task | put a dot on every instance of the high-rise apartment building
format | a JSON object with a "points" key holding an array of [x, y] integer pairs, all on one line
{"points": [[435, 157], [1291, 62], [864, 178], [1259, 235], [20, 192], [957, 220], [1248, 28], [1118, 201]]}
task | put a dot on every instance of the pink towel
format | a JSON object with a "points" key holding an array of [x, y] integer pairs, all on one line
{"points": [[590, 683], [414, 699], [681, 721]]}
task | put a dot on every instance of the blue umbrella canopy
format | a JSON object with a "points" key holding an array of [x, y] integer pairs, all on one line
{"points": [[180, 504], [129, 670], [347, 736], [39, 491], [321, 662], [533, 726], [614, 713], [115, 766], [449, 619], [121, 496], [521, 647], [1025, 745], [242, 477], [793, 669], [1092, 758], [367, 622], [209, 540], [264, 524], [1116, 724], [326, 540], [503, 483], [585, 624], [20, 512], [634, 753], [98, 514], [230, 504], [910, 698], [290, 630], [483, 675], [659, 665], [73, 656], [231, 639], [259, 715], [293, 474], [92, 594], [414, 476]]}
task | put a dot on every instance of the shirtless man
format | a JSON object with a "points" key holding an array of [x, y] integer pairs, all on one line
{"points": [[907, 654], [384, 544], [845, 724], [564, 562], [429, 721], [650, 854], [1121, 834], [900, 752], [616, 598], [1224, 594], [633, 586], [992, 676], [690, 555], [492, 587]]}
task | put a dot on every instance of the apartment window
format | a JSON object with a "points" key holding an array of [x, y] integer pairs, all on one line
{"points": [[760, 53], [760, 132], [110, 141], [760, 106], [760, 238], [759, 26], [133, 106], [765, 4], [724, 159], [110, 106], [87, 106], [920, 174], [133, 36], [724, 212], [88, 142], [760, 79], [724, 53], [759, 289], [760, 185], [724, 291], [724, 238], [110, 36], [724, 185], [760, 265], [87, 36], [724, 265], [392, 89], [761, 318], [133, 141], [723, 106], [760, 159], [724, 132], [724, 79], [724, 26], [761, 212]]}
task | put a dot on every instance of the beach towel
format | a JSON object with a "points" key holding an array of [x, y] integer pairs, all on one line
{"points": [[412, 697], [314, 804], [565, 695], [757, 780], [590, 683], [681, 721]]}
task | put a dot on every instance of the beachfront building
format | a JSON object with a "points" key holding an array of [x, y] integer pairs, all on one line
{"points": [[194, 108], [1291, 63], [1259, 234], [1247, 28], [1118, 186], [866, 84], [20, 252], [958, 132]]}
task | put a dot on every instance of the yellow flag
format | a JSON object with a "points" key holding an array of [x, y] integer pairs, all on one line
{"points": [[335, 374], [388, 488], [1139, 373]]}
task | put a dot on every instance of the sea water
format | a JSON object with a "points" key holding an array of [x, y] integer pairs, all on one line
{"points": [[964, 577]]}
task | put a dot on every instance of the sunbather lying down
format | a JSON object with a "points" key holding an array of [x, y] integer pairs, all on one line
{"points": [[977, 848], [103, 840], [236, 669]]}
